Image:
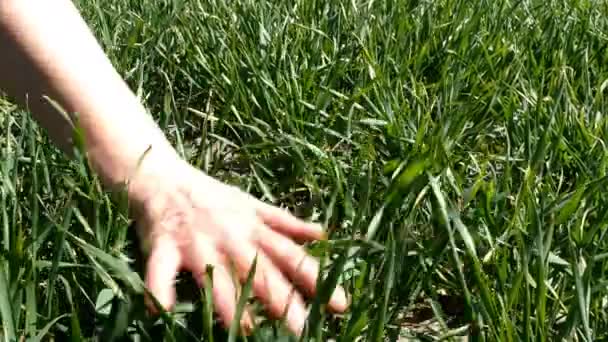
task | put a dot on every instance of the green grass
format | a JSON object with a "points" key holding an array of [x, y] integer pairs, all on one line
{"points": [[455, 149]]}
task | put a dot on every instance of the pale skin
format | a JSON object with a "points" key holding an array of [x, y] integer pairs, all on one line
{"points": [[187, 219]]}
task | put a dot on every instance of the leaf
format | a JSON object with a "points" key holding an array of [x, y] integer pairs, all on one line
{"points": [[240, 308], [314, 149], [6, 311], [120, 268], [389, 278], [325, 289], [569, 206], [208, 309], [374, 224], [582, 291], [42, 333], [373, 122], [103, 304], [265, 188], [58, 254], [465, 235]]}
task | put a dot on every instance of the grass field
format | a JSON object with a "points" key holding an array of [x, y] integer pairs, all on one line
{"points": [[456, 151]]}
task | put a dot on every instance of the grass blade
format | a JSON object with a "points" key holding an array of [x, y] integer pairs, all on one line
{"points": [[240, 308], [8, 323]]}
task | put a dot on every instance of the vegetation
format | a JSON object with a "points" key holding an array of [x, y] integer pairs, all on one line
{"points": [[456, 151]]}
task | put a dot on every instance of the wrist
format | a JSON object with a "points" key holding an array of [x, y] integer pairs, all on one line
{"points": [[128, 168], [124, 154], [147, 176]]}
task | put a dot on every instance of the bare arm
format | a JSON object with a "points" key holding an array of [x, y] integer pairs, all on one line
{"points": [[46, 49]]}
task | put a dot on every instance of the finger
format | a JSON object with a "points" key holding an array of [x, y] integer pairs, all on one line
{"points": [[286, 223], [223, 288], [272, 288], [298, 265], [162, 266]]}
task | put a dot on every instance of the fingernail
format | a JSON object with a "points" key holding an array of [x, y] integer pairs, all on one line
{"points": [[320, 232], [296, 319], [339, 299]]}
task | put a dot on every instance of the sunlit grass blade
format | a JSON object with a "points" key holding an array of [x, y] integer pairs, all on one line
{"points": [[242, 302], [208, 299], [8, 322], [119, 268], [57, 256], [378, 327], [325, 289], [42, 333]]}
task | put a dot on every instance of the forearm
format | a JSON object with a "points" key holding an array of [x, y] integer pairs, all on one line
{"points": [[46, 49]]}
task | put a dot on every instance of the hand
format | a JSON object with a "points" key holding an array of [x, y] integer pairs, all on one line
{"points": [[189, 220]]}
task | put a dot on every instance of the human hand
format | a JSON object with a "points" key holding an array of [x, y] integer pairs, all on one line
{"points": [[189, 220]]}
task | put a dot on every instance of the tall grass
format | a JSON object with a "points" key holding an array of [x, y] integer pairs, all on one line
{"points": [[456, 151]]}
